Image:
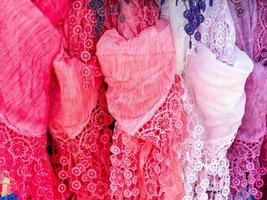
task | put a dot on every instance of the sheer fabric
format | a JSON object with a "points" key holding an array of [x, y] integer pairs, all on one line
{"points": [[218, 91]]}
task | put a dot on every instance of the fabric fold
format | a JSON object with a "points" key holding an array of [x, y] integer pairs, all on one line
{"points": [[139, 72], [74, 94], [218, 90], [27, 50]]}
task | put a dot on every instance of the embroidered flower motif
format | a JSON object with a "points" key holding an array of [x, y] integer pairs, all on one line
{"points": [[127, 193], [100, 189], [76, 185], [135, 192], [62, 174], [61, 188], [115, 150], [118, 179], [19, 149], [89, 139], [151, 188], [76, 171], [63, 160], [163, 123], [128, 174]]}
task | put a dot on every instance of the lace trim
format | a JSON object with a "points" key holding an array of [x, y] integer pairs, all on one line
{"points": [[260, 32], [146, 166], [25, 166], [245, 171], [218, 31], [206, 174], [82, 163]]}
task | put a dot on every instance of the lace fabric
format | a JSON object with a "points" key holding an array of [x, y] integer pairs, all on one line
{"points": [[263, 161], [24, 162], [247, 173], [146, 166], [211, 129], [260, 33], [81, 133], [218, 32], [138, 68], [82, 164], [207, 174]]}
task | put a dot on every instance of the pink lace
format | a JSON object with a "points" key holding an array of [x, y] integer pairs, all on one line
{"points": [[82, 163], [263, 160], [24, 161], [247, 173], [146, 166], [260, 32]]}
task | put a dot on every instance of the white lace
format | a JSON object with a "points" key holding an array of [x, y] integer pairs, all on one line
{"points": [[206, 174], [218, 31]]}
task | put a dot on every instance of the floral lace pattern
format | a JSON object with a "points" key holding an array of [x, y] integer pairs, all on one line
{"points": [[82, 163], [208, 176], [87, 20], [218, 31], [260, 32], [145, 166], [263, 161], [25, 162], [246, 172], [206, 173]]}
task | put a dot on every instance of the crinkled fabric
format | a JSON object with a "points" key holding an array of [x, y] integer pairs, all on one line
{"points": [[29, 42], [72, 98], [56, 11], [139, 73], [28, 45]]}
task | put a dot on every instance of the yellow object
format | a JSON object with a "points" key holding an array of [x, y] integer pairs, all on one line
{"points": [[5, 184]]}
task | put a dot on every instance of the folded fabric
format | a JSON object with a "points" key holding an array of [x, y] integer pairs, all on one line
{"points": [[139, 73], [28, 45], [218, 90], [74, 94]]}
